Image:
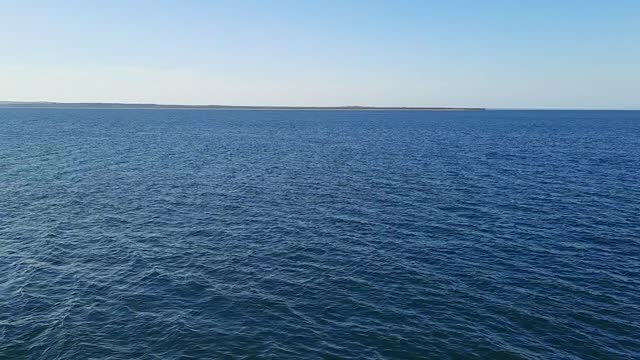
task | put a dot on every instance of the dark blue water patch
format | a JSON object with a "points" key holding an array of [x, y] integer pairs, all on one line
{"points": [[161, 234]]}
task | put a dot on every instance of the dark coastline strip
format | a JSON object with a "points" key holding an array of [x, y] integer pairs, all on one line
{"points": [[54, 105]]}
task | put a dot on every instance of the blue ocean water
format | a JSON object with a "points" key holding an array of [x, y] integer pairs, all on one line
{"points": [[177, 234]]}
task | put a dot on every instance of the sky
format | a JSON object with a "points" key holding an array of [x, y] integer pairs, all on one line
{"points": [[497, 54]]}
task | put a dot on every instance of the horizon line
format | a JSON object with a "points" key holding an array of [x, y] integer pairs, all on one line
{"points": [[224, 106], [142, 105]]}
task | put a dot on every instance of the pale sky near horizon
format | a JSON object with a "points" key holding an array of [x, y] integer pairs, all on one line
{"points": [[496, 54]]}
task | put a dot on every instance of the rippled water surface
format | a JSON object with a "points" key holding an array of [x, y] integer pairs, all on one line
{"points": [[174, 234]]}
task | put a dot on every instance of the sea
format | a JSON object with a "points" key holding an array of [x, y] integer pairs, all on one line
{"points": [[284, 234]]}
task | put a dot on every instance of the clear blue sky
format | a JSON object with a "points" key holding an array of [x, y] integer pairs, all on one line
{"points": [[506, 54]]}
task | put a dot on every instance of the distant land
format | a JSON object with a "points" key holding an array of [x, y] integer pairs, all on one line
{"points": [[60, 105]]}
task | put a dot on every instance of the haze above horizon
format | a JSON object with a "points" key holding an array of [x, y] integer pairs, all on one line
{"points": [[494, 54]]}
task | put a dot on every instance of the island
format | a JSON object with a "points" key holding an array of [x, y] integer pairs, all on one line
{"points": [[63, 105]]}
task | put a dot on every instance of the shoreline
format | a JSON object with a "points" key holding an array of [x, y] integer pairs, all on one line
{"points": [[56, 105]]}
